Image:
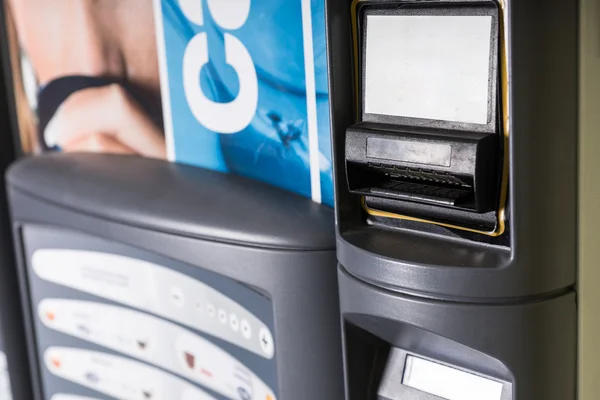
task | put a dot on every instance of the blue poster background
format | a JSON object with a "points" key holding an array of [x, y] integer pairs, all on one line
{"points": [[274, 147]]}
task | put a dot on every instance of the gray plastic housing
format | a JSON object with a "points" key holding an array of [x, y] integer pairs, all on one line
{"points": [[532, 346], [539, 252], [278, 244]]}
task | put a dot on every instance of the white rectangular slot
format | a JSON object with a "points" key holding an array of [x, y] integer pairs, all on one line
{"points": [[448, 383], [429, 67]]}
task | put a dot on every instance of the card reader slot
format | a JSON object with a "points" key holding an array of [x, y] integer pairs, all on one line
{"points": [[420, 174], [456, 170], [417, 185]]}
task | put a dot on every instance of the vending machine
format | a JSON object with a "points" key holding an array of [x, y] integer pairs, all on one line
{"points": [[455, 136], [174, 223], [146, 280]]}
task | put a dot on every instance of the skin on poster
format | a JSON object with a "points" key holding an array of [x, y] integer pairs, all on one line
{"points": [[65, 38]]}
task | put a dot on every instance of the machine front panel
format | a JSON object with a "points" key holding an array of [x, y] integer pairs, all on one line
{"points": [[113, 321]]}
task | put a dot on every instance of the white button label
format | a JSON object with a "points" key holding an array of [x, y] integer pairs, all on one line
{"points": [[151, 288], [155, 341], [116, 376]]}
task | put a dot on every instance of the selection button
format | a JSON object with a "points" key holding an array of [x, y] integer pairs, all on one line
{"points": [[222, 316], [234, 322], [210, 310], [177, 297], [246, 329], [266, 342]]}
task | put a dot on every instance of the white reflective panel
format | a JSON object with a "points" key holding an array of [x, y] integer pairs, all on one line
{"points": [[430, 67], [62, 396], [5, 392], [448, 383]]}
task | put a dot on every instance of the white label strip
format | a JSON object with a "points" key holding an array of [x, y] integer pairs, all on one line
{"points": [[311, 101], [5, 390], [63, 396], [158, 290], [430, 67], [118, 377], [448, 383], [155, 341], [163, 70]]}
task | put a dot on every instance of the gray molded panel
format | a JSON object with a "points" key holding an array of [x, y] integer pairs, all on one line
{"points": [[541, 252], [177, 198], [531, 345], [302, 285]]}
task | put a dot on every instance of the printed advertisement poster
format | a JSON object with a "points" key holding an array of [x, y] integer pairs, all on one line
{"points": [[237, 86]]}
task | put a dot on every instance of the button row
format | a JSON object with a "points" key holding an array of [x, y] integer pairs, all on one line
{"points": [[232, 319], [158, 290]]}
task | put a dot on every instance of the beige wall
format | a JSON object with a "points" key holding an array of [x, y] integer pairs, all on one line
{"points": [[589, 211]]}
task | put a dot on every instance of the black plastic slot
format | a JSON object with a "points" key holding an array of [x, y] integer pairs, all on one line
{"points": [[420, 185], [457, 170]]}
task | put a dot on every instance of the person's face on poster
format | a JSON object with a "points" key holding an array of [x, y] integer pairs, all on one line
{"points": [[95, 67]]}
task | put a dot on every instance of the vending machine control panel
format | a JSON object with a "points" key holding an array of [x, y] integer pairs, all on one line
{"points": [[146, 280]]}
